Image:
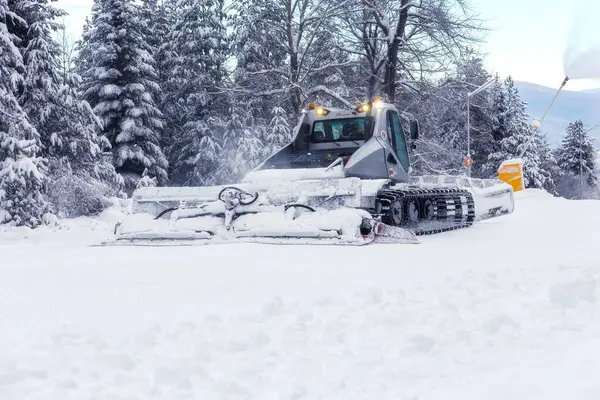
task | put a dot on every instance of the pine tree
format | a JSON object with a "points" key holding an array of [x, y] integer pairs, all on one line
{"points": [[198, 153], [279, 133], [577, 155], [258, 48], [534, 173], [119, 85], [67, 125], [242, 147], [519, 138], [160, 19], [84, 50], [33, 30], [195, 58], [249, 151], [22, 170], [499, 110], [75, 139], [151, 12], [549, 166]]}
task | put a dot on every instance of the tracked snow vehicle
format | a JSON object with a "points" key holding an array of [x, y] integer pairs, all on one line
{"points": [[345, 178]]}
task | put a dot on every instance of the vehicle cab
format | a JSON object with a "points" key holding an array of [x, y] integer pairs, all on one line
{"points": [[369, 140]]}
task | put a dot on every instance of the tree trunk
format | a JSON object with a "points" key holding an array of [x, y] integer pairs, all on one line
{"points": [[295, 94], [389, 79]]}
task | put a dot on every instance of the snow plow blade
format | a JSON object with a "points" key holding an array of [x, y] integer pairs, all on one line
{"points": [[235, 215], [369, 231], [235, 219]]}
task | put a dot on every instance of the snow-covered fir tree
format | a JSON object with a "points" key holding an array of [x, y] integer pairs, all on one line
{"points": [[519, 138], [257, 49], [23, 172], [195, 57], [200, 153], [83, 49], [577, 158], [119, 85], [75, 146], [152, 12], [537, 169], [278, 133], [242, 147], [33, 28], [67, 125], [159, 17], [549, 166], [499, 113]]}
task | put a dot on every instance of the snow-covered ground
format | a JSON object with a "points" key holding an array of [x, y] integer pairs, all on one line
{"points": [[506, 309]]}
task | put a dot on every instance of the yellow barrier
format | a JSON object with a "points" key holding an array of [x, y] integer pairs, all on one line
{"points": [[511, 172]]}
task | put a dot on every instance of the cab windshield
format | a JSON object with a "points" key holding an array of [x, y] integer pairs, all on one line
{"points": [[338, 130]]}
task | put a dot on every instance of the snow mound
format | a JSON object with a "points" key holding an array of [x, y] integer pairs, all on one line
{"points": [[79, 230]]}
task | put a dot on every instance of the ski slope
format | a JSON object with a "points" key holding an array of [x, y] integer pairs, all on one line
{"points": [[506, 309]]}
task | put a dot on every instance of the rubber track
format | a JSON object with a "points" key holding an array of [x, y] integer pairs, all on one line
{"points": [[451, 211]]}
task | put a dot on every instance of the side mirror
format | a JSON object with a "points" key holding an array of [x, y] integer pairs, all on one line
{"points": [[414, 129]]}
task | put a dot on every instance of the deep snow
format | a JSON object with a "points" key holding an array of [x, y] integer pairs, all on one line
{"points": [[505, 309]]}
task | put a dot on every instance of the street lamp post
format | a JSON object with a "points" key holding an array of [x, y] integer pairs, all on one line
{"points": [[481, 88]]}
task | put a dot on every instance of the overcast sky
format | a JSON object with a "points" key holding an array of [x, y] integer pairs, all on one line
{"points": [[77, 9], [528, 40]]}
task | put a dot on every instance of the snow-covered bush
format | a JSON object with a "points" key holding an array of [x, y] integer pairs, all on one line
{"points": [[74, 196], [21, 185]]}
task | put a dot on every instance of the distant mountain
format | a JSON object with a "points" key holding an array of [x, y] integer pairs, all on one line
{"points": [[596, 91], [569, 106]]}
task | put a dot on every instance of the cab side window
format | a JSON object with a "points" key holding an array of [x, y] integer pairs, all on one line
{"points": [[398, 139], [318, 134], [389, 127]]}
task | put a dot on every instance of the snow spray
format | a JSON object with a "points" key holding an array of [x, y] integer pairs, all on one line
{"points": [[582, 52], [581, 59]]}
